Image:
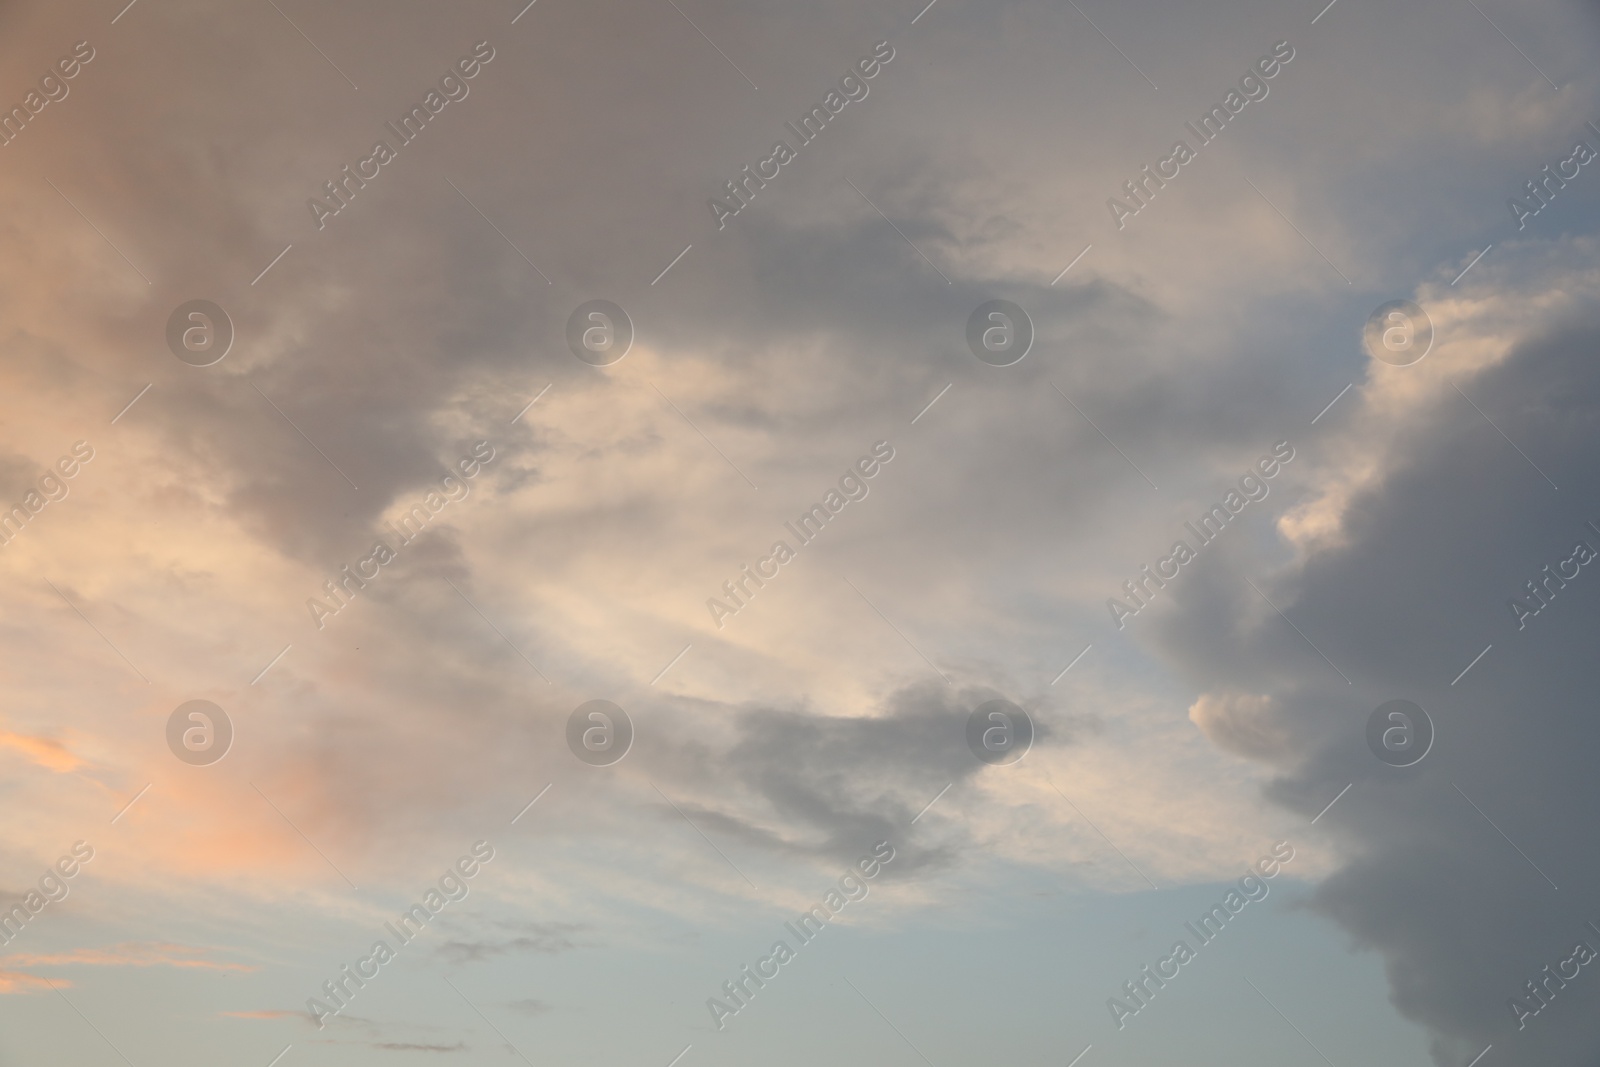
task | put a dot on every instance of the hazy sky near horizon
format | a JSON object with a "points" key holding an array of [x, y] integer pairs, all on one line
{"points": [[579, 523]]}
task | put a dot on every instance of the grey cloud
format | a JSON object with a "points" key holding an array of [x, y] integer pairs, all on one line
{"points": [[828, 787], [1433, 554], [541, 938]]}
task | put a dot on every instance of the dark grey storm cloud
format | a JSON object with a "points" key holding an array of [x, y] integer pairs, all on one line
{"points": [[1455, 863]]}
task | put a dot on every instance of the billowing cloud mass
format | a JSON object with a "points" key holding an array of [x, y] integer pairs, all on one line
{"points": [[505, 507]]}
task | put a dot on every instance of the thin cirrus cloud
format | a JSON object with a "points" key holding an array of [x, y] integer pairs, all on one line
{"points": [[47, 752], [131, 954]]}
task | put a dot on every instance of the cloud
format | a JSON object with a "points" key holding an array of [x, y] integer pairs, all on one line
{"points": [[47, 752], [1247, 724], [816, 722], [542, 938], [20, 982], [129, 954], [1428, 523], [827, 786]]}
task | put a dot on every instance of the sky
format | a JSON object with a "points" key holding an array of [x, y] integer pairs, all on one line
{"points": [[514, 511]]}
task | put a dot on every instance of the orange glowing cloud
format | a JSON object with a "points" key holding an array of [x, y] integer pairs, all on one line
{"points": [[45, 751], [128, 954], [18, 982]]}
